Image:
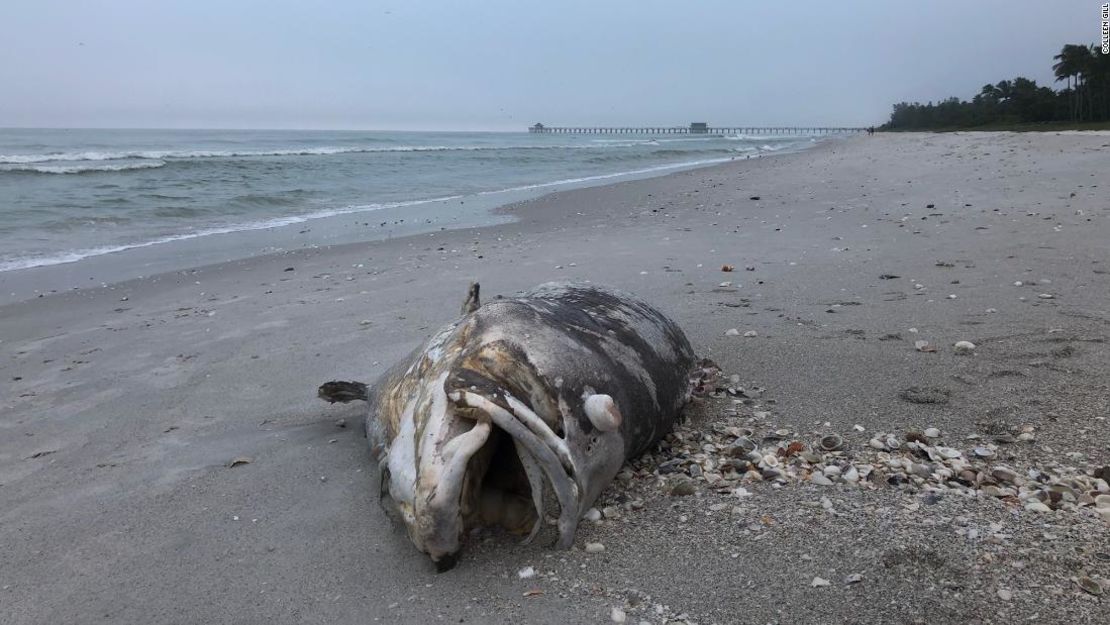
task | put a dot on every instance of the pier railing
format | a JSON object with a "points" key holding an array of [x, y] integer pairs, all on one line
{"points": [[685, 130]]}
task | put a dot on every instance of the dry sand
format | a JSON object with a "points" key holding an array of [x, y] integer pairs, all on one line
{"points": [[120, 407]]}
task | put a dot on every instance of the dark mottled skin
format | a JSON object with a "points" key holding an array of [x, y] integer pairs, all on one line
{"points": [[591, 318]]}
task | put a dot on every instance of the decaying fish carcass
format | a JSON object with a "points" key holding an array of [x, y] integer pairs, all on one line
{"points": [[554, 389]]}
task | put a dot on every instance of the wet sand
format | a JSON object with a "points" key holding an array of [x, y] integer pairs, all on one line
{"points": [[120, 407]]}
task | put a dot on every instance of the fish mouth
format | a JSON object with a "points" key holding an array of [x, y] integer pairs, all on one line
{"points": [[497, 473]]}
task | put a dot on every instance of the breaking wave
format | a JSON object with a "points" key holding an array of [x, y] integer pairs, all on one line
{"points": [[81, 169]]}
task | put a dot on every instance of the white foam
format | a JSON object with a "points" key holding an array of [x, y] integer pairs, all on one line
{"points": [[633, 172], [73, 256], [69, 157], [80, 169]]}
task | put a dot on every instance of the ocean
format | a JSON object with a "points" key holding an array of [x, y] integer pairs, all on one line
{"points": [[67, 196]]}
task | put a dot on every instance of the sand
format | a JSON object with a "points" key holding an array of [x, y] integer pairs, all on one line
{"points": [[121, 407]]}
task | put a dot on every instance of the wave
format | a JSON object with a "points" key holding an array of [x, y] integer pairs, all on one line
{"points": [[162, 155], [634, 172], [81, 169], [73, 256]]}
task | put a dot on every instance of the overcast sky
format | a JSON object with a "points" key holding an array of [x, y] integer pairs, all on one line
{"points": [[504, 64]]}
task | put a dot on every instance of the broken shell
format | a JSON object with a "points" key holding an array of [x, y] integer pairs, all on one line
{"points": [[851, 475], [1004, 474], [741, 447], [832, 442], [603, 412], [1089, 585]]}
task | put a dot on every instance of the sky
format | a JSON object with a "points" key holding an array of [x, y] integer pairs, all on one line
{"points": [[505, 64]]}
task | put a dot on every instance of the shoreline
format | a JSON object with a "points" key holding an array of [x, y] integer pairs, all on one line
{"points": [[280, 235], [122, 406]]}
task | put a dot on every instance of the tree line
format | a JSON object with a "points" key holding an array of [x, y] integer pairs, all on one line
{"points": [[1084, 98]]}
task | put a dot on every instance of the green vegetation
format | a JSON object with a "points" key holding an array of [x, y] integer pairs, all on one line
{"points": [[1020, 104]]}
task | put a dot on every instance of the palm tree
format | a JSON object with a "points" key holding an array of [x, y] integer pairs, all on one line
{"points": [[1067, 68]]}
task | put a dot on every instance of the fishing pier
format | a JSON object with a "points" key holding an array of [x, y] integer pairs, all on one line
{"points": [[696, 128]]}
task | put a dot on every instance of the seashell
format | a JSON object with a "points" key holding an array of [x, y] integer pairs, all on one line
{"points": [[831, 471], [949, 453], [1089, 586], [914, 436], [1004, 474], [851, 475], [811, 457], [1036, 506], [983, 452], [964, 347], [769, 461], [741, 447], [932, 432], [820, 479], [877, 444], [922, 470], [1065, 492], [1102, 501], [832, 442]]}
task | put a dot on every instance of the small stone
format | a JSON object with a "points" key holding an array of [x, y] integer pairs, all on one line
{"points": [[610, 512], [594, 547], [992, 310], [732, 332], [618, 615], [526, 573], [854, 578], [1004, 594], [819, 581], [340, 423], [1018, 283], [1046, 296], [593, 514], [964, 347]]}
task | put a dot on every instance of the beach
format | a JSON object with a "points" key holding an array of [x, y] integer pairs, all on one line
{"points": [[123, 407]]}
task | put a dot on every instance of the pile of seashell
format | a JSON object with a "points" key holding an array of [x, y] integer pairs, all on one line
{"points": [[729, 455]]}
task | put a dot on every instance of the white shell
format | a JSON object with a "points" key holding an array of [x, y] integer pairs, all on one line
{"points": [[964, 347], [603, 412]]}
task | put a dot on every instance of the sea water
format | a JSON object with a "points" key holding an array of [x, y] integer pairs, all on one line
{"points": [[67, 196]]}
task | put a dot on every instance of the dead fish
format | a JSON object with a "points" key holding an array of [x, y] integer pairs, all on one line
{"points": [[551, 390]]}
